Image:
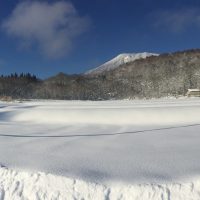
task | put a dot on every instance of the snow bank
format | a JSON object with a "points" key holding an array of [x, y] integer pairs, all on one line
{"points": [[34, 186]]}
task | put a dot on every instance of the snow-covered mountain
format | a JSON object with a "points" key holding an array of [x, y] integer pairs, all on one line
{"points": [[120, 60]]}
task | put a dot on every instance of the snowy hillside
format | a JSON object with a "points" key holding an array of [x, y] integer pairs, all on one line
{"points": [[100, 150], [120, 60]]}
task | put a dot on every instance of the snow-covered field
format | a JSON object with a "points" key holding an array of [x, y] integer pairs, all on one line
{"points": [[100, 150]]}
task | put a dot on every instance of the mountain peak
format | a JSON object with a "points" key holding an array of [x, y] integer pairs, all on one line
{"points": [[120, 60]]}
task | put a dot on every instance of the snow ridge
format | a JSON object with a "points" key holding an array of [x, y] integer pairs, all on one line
{"points": [[120, 60], [33, 186]]}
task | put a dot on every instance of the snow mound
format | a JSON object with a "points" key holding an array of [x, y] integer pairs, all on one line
{"points": [[120, 60], [33, 186]]}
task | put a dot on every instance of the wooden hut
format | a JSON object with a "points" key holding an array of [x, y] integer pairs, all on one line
{"points": [[193, 93]]}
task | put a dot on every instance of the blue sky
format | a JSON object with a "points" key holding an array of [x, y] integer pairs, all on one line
{"points": [[46, 37]]}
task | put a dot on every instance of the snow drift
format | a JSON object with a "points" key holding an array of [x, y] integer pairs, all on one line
{"points": [[34, 186]]}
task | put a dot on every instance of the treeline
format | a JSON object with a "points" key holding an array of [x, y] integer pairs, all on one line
{"points": [[27, 76], [153, 77], [18, 85]]}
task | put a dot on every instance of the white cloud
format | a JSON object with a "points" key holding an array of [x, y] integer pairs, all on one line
{"points": [[52, 27], [178, 20]]}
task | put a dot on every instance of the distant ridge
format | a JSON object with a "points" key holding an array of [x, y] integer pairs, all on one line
{"points": [[120, 60]]}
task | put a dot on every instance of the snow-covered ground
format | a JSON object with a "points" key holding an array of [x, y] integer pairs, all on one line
{"points": [[100, 150]]}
